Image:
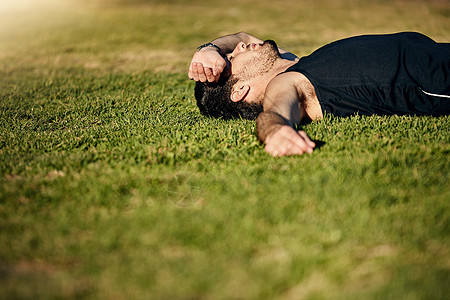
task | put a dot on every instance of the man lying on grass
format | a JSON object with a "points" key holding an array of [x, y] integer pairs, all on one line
{"points": [[237, 75]]}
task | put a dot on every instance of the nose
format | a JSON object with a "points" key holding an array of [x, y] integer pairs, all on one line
{"points": [[240, 48]]}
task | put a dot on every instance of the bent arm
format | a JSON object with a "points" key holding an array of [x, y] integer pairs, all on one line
{"points": [[210, 62], [283, 110], [227, 43]]}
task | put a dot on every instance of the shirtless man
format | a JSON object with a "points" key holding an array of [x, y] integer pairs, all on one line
{"points": [[237, 75]]}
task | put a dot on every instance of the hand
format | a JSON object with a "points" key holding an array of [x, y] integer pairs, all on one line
{"points": [[287, 141], [207, 65]]}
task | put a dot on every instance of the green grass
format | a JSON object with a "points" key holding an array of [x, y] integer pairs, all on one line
{"points": [[113, 186]]}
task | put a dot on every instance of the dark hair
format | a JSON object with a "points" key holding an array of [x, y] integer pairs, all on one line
{"points": [[214, 100]]}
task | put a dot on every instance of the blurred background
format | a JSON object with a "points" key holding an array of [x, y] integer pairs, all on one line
{"points": [[137, 35]]}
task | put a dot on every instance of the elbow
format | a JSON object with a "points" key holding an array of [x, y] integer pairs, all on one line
{"points": [[243, 36]]}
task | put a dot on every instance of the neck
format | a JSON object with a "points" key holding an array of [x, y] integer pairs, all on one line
{"points": [[283, 64], [280, 66]]}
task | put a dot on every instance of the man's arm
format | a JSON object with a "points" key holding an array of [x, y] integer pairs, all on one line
{"points": [[208, 63], [282, 110], [227, 43]]}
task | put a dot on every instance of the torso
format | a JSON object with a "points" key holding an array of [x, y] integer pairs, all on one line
{"points": [[376, 74]]}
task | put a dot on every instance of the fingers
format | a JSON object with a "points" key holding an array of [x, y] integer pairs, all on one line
{"points": [[289, 148], [206, 66], [220, 66], [199, 73], [191, 71], [309, 144], [196, 72], [208, 75], [287, 141]]}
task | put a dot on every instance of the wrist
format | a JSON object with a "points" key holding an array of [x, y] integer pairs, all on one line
{"points": [[267, 124], [208, 46]]}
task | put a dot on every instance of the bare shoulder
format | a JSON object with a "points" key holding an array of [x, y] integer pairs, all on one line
{"points": [[293, 88], [289, 79], [281, 84], [281, 96]]}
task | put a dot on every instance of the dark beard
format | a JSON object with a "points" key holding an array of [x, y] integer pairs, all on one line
{"points": [[262, 62], [272, 44]]}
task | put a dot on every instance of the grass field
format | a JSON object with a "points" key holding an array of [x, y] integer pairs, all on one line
{"points": [[113, 186]]}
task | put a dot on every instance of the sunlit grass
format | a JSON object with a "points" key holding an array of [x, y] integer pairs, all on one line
{"points": [[113, 186]]}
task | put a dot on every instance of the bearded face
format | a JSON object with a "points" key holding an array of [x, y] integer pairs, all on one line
{"points": [[256, 60]]}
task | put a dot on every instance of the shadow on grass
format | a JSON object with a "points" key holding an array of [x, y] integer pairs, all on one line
{"points": [[305, 122], [319, 144]]}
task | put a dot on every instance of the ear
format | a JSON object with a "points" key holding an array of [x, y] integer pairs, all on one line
{"points": [[239, 92]]}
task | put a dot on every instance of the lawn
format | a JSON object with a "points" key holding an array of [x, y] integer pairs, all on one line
{"points": [[114, 186]]}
